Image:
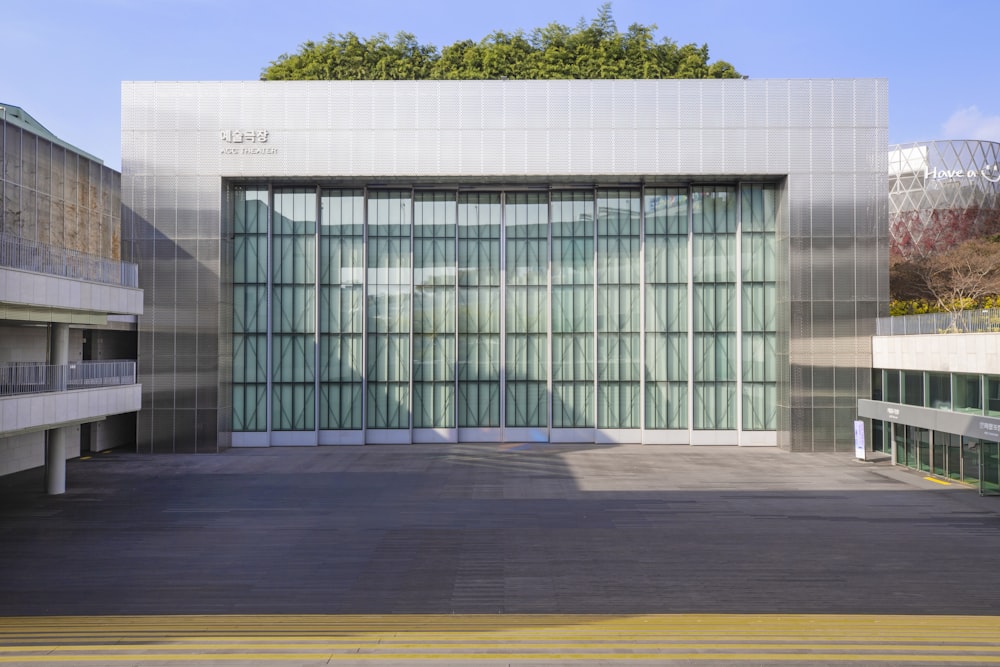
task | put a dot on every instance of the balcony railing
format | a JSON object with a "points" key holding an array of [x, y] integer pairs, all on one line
{"points": [[963, 321], [18, 253], [32, 378]]}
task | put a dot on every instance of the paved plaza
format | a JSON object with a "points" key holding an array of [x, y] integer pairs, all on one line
{"points": [[600, 534]]}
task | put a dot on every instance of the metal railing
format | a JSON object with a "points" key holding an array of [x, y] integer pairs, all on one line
{"points": [[962, 321], [18, 253], [32, 378]]}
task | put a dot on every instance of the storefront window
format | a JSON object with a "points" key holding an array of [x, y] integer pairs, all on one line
{"points": [[993, 395], [939, 453], [892, 386], [970, 460], [939, 390], [878, 436], [968, 396], [877, 384], [913, 387]]}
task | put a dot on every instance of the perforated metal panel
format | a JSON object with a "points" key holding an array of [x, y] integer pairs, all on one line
{"points": [[824, 141]]}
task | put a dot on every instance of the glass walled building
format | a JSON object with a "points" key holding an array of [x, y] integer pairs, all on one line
{"points": [[942, 193], [688, 262]]}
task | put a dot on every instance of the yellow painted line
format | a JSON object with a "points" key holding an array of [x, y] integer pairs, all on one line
{"points": [[497, 627], [502, 645], [938, 481], [473, 657], [84, 458]]}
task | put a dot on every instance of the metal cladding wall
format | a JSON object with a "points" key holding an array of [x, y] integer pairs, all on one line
{"points": [[825, 141]]}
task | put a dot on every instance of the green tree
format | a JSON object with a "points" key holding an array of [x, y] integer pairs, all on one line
{"points": [[594, 50]]}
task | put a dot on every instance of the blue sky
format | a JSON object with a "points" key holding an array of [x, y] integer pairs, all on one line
{"points": [[65, 59]]}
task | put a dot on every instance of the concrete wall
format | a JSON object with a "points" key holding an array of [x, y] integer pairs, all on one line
{"points": [[40, 291], [954, 353], [31, 412]]}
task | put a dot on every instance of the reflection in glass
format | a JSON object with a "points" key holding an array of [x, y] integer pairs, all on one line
{"points": [[759, 274], [341, 308], [526, 219], [250, 218], [572, 225], [618, 216], [293, 294], [388, 310], [479, 310], [434, 310], [713, 271], [968, 393], [666, 301]]}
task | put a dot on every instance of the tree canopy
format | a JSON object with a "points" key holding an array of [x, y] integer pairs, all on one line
{"points": [[963, 277], [595, 50]]}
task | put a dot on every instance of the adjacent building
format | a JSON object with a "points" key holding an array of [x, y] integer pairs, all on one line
{"points": [[942, 193], [935, 403], [688, 262], [68, 304]]}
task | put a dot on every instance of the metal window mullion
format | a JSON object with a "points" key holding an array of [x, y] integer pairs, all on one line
{"points": [[455, 363], [409, 398], [317, 271], [690, 312], [269, 374], [364, 315], [739, 312], [548, 326], [503, 314], [595, 410], [642, 311]]}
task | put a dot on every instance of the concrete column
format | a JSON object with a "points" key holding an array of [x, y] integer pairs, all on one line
{"points": [[55, 441], [58, 344], [55, 461]]}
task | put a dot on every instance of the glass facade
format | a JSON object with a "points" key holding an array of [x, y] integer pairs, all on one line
{"points": [[466, 313], [974, 460]]}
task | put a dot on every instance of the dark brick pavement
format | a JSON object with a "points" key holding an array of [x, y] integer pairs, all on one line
{"points": [[488, 529]]}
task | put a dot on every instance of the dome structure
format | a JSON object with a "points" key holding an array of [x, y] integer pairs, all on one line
{"points": [[942, 193]]}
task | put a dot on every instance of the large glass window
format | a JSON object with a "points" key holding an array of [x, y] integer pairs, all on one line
{"points": [[970, 459], [395, 309], [479, 309], [572, 224], [940, 455], [913, 388], [341, 308], [760, 369], [879, 442], [939, 391], [892, 386], [989, 483], [388, 310], [877, 384], [250, 217], [666, 270], [434, 216], [526, 220], [618, 216], [714, 301], [968, 393], [293, 306], [992, 395], [899, 443], [923, 440]]}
